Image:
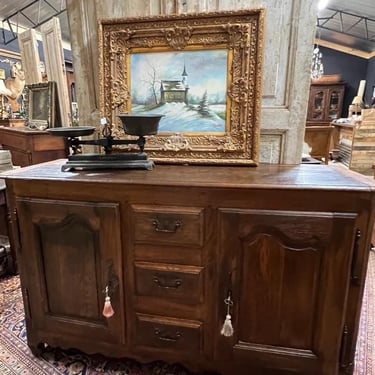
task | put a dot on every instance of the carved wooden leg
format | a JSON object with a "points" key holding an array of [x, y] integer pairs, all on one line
{"points": [[36, 348]]}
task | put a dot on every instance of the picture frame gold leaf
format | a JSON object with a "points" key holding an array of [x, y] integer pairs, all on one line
{"points": [[202, 71]]}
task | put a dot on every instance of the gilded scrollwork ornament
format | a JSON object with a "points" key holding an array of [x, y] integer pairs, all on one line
{"points": [[177, 37]]}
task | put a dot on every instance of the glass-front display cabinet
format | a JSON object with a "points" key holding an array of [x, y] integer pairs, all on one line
{"points": [[325, 103]]}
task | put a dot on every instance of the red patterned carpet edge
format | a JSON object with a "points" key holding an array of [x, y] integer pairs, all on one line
{"points": [[16, 358]]}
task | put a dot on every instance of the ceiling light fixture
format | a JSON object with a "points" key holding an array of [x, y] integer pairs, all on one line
{"points": [[317, 67], [322, 4]]}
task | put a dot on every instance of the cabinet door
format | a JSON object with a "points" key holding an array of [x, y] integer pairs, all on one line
{"points": [[288, 274], [316, 104], [335, 99], [70, 252]]}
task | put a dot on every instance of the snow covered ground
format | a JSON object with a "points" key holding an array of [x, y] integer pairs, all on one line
{"points": [[182, 118]]}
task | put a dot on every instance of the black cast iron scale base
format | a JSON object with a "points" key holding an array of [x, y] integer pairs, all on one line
{"points": [[139, 125], [110, 161]]}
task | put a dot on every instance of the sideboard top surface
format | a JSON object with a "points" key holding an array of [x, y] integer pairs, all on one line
{"points": [[264, 176]]}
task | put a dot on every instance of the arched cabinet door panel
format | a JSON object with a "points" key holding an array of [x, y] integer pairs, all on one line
{"points": [[281, 269], [73, 252]]}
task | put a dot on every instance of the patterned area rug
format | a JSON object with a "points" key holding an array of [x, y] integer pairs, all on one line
{"points": [[16, 358]]}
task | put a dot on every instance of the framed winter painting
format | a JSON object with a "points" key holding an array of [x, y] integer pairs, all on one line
{"points": [[202, 72]]}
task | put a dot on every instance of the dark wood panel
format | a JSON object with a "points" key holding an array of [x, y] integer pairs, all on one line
{"points": [[280, 274], [75, 247]]}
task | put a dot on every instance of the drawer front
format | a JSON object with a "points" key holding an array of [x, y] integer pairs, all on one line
{"points": [[168, 334], [182, 283], [168, 225]]}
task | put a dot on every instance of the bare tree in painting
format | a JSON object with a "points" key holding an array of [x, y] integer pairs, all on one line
{"points": [[152, 81]]}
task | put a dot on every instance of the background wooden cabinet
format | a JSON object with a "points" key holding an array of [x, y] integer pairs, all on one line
{"points": [[29, 146], [325, 103]]}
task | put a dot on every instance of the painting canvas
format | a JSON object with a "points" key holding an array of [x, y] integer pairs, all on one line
{"points": [[201, 71], [188, 88], [40, 105]]}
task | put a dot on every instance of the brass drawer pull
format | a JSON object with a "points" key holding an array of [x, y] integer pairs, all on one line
{"points": [[167, 337], [167, 283], [166, 226]]}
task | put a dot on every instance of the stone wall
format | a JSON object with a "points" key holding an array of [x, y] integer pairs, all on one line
{"points": [[288, 46]]}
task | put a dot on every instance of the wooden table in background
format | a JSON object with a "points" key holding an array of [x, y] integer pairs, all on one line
{"points": [[29, 146], [319, 139]]}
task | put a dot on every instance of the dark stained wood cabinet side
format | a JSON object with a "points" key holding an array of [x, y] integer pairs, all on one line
{"points": [[289, 244], [30, 146]]}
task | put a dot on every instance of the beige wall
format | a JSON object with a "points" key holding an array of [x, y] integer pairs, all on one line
{"points": [[290, 26]]}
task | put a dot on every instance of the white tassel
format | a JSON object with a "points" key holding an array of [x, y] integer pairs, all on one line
{"points": [[227, 329]]}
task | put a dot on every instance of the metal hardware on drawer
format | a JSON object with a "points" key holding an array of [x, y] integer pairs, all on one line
{"points": [[166, 226], [167, 337], [167, 283]]}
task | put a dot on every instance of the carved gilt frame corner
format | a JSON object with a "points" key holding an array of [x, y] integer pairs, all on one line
{"points": [[237, 34]]}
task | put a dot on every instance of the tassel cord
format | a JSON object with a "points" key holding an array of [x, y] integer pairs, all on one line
{"points": [[227, 329]]}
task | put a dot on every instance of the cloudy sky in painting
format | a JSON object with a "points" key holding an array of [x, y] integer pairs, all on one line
{"points": [[207, 70]]}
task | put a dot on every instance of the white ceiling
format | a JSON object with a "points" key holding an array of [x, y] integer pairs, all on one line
{"points": [[348, 23]]}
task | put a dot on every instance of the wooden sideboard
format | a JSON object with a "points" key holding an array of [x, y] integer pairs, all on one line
{"points": [[288, 244], [29, 146]]}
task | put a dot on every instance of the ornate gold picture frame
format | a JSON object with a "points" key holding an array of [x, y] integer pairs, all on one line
{"points": [[40, 104], [201, 71]]}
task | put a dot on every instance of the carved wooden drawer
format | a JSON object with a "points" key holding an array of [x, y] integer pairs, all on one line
{"points": [[184, 283], [168, 333], [168, 225]]}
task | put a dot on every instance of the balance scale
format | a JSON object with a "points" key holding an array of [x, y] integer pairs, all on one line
{"points": [[139, 125]]}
